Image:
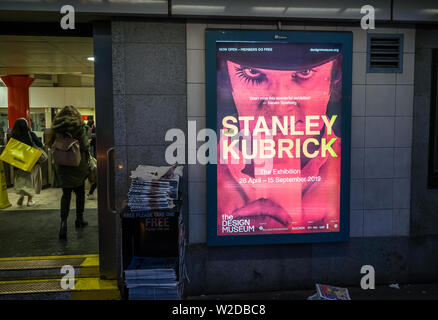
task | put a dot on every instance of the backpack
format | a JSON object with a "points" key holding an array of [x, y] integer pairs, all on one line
{"points": [[66, 151]]}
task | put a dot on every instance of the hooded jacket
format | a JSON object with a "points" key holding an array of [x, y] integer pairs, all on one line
{"points": [[65, 176]]}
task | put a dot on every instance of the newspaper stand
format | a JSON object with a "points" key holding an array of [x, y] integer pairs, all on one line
{"points": [[157, 233]]}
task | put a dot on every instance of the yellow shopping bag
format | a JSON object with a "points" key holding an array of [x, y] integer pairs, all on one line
{"points": [[20, 155], [4, 200]]}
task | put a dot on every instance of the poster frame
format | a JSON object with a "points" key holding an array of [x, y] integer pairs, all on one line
{"points": [[212, 36]]}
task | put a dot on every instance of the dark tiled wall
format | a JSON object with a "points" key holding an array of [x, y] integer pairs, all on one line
{"points": [[424, 215], [150, 93], [381, 130], [380, 189], [274, 268]]}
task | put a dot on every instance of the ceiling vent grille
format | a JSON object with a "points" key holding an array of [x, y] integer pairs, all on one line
{"points": [[385, 53], [46, 77]]}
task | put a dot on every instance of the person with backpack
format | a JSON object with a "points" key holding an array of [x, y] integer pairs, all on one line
{"points": [[70, 149], [26, 183]]}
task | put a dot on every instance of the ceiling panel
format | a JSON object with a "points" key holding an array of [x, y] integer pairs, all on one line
{"points": [[73, 48], [48, 55], [8, 38], [43, 70], [137, 7], [297, 9], [28, 47], [419, 10]]}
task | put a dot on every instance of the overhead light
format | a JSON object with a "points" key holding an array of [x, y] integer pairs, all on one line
{"points": [[90, 58], [357, 10], [197, 9], [429, 11], [309, 11], [141, 1], [278, 10]]}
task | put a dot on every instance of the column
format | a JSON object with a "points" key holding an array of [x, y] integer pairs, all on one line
{"points": [[18, 97]]}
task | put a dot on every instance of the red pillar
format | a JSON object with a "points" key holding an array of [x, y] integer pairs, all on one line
{"points": [[18, 97]]}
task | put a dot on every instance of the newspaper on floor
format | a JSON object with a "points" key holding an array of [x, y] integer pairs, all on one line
{"points": [[327, 292]]}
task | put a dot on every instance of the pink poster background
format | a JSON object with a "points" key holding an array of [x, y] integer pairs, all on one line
{"points": [[299, 191]]}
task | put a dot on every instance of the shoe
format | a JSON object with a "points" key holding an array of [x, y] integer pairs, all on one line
{"points": [[31, 203], [20, 201], [80, 222], [63, 230], [91, 197]]}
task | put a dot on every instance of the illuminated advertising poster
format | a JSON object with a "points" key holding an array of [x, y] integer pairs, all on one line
{"points": [[280, 121]]}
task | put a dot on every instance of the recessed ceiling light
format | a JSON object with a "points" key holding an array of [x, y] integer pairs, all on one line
{"points": [[90, 58]]}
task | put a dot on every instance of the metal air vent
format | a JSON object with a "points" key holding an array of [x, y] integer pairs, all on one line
{"points": [[385, 53]]}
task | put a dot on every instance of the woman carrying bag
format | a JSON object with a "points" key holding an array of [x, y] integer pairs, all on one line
{"points": [[27, 183], [68, 126]]}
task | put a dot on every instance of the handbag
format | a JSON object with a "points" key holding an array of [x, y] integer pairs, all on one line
{"points": [[66, 151], [44, 157], [92, 169], [20, 155]]}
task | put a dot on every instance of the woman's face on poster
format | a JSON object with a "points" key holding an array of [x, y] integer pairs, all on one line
{"points": [[308, 89]]}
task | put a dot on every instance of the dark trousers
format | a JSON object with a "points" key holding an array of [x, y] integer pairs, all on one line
{"points": [[66, 198], [92, 188]]}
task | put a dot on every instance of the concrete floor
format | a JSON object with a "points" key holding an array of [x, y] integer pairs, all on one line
{"points": [[417, 291], [33, 231]]}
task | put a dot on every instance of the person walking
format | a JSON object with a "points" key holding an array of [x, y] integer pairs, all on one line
{"points": [[88, 129], [67, 123], [26, 183], [92, 137], [92, 140]]}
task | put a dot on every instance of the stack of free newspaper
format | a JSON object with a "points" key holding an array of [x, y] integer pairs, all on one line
{"points": [[152, 278], [146, 195], [154, 188]]}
